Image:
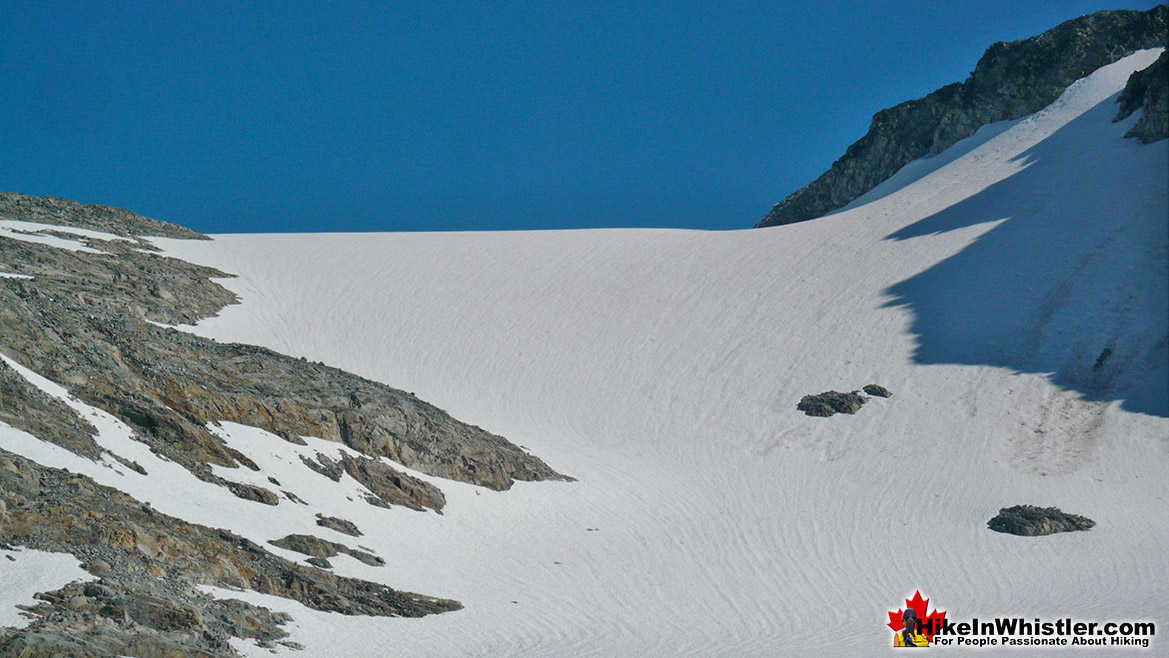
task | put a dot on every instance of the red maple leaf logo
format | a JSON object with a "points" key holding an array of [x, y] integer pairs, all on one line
{"points": [[929, 623]]}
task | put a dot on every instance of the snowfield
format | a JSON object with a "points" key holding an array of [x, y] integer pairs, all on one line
{"points": [[661, 368]]}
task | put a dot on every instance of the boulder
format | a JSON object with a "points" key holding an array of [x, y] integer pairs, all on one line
{"points": [[1032, 521]]}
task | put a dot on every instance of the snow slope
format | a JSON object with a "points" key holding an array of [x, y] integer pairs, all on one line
{"points": [[662, 369]]}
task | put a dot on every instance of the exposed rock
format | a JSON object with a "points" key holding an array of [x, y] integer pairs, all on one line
{"points": [[878, 391], [81, 322], [322, 548], [831, 402], [87, 322], [149, 564], [28, 408], [253, 493], [1011, 81], [1031, 521], [340, 525], [1148, 90], [63, 212]]}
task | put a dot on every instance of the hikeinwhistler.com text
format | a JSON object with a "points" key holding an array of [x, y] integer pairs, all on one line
{"points": [[1018, 632]]}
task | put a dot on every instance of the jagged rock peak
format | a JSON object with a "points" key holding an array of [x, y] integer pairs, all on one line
{"points": [[63, 212], [1011, 81]]}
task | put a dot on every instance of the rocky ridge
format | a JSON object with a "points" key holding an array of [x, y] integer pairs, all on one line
{"points": [[94, 320], [145, 601], [1010, 81], [1147, 90]]}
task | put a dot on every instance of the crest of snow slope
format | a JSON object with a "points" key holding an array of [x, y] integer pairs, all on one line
{"points": [[662, 368]]}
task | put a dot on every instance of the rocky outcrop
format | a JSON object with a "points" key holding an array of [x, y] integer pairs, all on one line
{"points": [[86, 320], [1031, 521], [145, 601], [63, 212], [90, 320], [1011, 81], [323, 548], [340, 525], [829, 403], [1148, 90]]}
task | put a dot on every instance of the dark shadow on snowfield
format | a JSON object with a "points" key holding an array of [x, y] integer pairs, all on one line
{"points": [[1074, 281]]}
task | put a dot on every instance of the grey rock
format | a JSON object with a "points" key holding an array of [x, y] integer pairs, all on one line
{"points": [[82, 321], [877, 390], [1031, 521], [146, 602], [253, 493], [340, 525], [323, 548], [1011, 81], [63, 212], [831, 402]]}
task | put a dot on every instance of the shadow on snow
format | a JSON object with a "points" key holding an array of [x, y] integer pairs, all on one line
{"points": [[1074, 281]]}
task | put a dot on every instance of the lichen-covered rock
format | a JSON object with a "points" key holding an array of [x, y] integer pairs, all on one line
{"points": [[1031, 521], [1011, 81], [831, 402], [877, 390]]}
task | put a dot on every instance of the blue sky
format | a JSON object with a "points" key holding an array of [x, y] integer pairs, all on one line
{"points": [[387, 116]]}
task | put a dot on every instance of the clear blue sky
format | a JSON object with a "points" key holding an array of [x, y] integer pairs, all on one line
{"points": [[299, 116]]}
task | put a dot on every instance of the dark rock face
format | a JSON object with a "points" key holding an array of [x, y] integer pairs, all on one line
{"points": [[877, 391], [1148, 89], [1031, 521], [831, 402], [1011, 81]]}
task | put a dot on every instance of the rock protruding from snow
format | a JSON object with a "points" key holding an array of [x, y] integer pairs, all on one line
{"points": [[149, 567], [1011, 81], [1148, 90], [323, 548], [63, 212], [831, 402], [1032, 521], [89, 320], [877, 390], [340, 525]]}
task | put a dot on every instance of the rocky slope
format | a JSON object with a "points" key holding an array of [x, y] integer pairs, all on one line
{"points": [[1011, 81], [93, 320], [1148, 90]]}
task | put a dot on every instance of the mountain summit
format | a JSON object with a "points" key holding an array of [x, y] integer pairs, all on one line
{"points": [[1011, 81]]}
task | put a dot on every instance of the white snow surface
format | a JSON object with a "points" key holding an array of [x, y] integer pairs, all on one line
{"points": [[662, 368], [24, 573]]}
